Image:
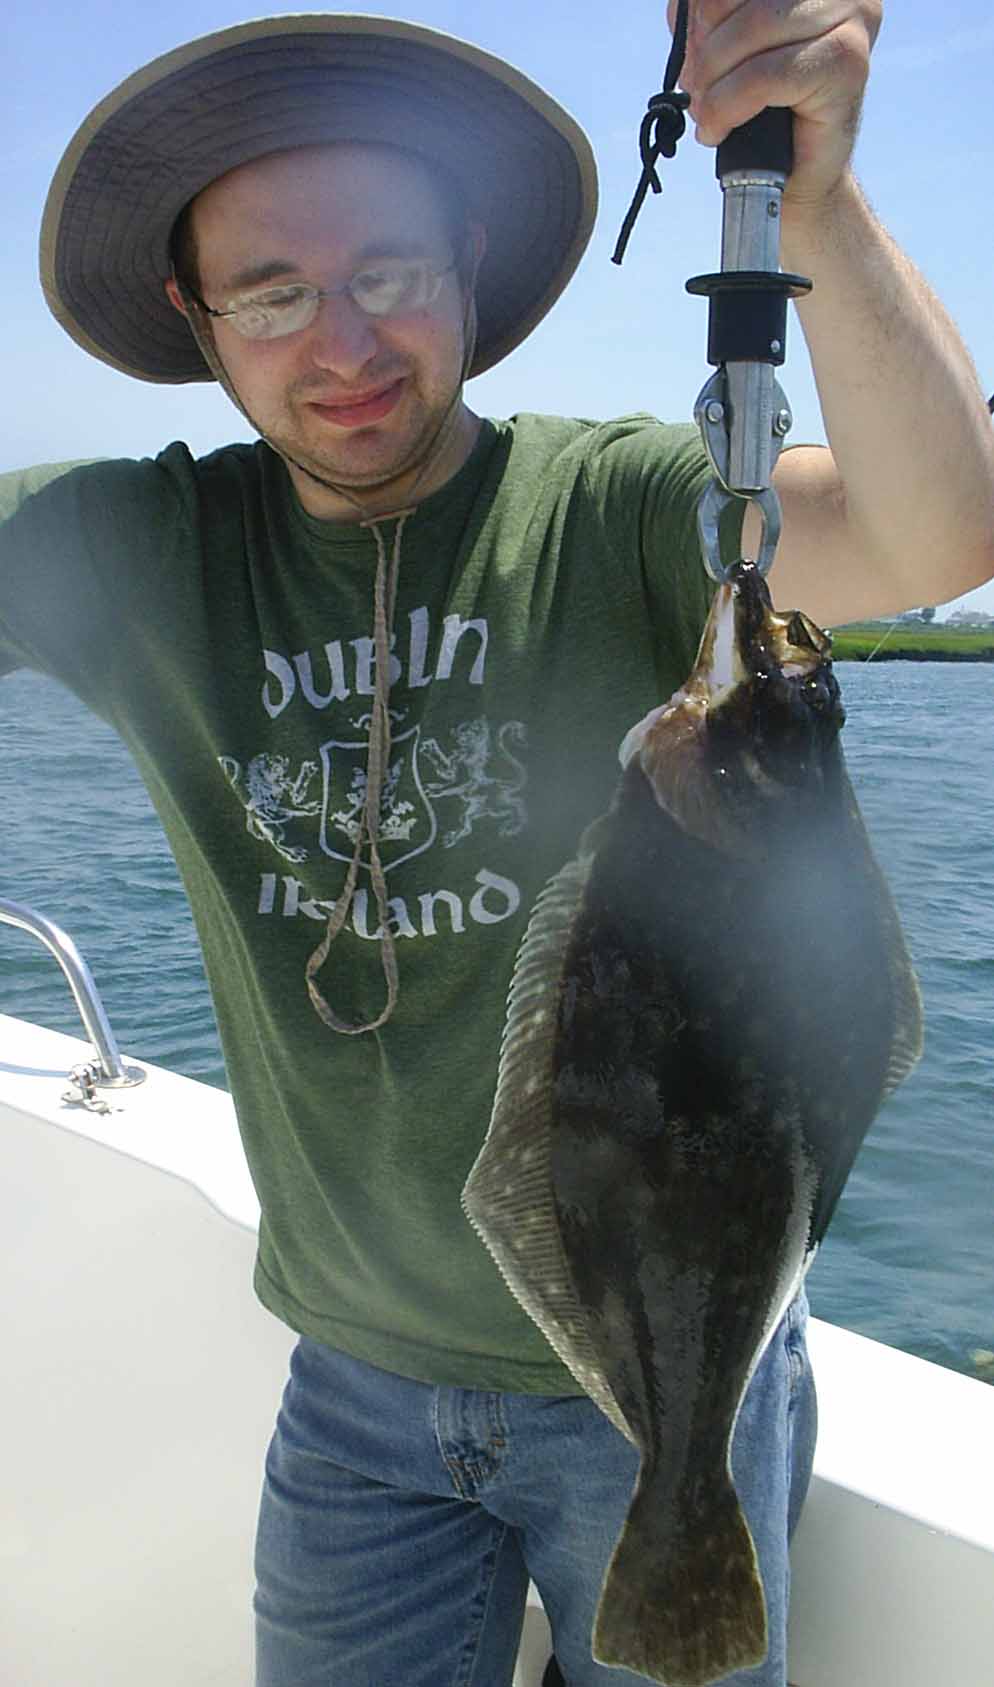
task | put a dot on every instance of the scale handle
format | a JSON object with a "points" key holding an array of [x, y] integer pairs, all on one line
{"points": [[766, 142]]}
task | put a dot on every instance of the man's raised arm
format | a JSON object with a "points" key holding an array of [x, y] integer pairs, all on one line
{"points": [[899, 510]]}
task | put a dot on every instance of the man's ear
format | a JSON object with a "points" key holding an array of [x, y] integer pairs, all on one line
{"points": [[174, 296]]}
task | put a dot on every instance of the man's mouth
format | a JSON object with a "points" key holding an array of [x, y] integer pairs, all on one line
{"points": [[363, 409]]}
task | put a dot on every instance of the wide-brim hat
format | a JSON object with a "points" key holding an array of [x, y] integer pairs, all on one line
{"points": [[523, 165]]}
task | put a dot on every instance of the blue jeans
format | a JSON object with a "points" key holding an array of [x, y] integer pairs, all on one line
{"points": [[400, 1522]]}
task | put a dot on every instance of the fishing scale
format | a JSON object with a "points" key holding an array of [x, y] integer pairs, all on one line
{"points": [[742, 410]]}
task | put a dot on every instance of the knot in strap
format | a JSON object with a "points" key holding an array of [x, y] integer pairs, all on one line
{"points": [[661, 127], [660, 130]]}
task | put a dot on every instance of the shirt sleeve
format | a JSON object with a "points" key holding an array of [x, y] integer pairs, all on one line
{"points": [[27, 575], [649, 478], [81, 549]]}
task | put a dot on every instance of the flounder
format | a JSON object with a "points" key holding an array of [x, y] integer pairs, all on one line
{"points": [[710, 1004]]}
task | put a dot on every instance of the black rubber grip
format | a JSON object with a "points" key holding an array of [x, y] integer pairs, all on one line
{"points": [[747, 315], [766, 142]]}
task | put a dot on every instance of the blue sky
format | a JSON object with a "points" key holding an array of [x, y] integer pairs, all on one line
{"points": [[619, 340]]}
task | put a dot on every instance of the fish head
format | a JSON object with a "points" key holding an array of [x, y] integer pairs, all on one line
{"points": [[755, 724]]}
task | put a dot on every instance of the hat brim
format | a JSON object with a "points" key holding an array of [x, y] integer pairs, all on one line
{"points": [[523, 165]]}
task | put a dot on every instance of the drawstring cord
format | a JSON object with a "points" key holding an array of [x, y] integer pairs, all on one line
{"points": [[378, 758], [384, 598], [378, 755]]}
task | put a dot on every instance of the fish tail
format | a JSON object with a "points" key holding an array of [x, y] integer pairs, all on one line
{"points": [[682, 1602]]}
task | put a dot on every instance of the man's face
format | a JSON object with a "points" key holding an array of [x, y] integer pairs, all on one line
{"points": [[356, 398]]}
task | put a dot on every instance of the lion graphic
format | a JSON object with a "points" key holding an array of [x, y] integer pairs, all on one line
{"points": [[463, 775], [274, 798]]}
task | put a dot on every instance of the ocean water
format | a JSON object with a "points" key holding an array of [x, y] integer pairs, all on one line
{"points": [[909, 1258]]}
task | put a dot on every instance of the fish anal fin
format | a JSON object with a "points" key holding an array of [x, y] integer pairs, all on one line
{"points": [[508, 1196]]}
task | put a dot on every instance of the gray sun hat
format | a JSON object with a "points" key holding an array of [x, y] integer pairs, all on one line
{"points": [[524, 167]]}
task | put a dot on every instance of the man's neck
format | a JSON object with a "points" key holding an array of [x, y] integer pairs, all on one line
{"points": [[406, 489]]}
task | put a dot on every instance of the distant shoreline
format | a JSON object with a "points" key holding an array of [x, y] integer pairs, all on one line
{"points": [[912, 643]]}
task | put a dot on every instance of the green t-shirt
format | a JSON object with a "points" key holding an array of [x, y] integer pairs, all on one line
{"points": [[548, 596]]}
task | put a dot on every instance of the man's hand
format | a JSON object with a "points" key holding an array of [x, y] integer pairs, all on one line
{"points": [[810, 55]]}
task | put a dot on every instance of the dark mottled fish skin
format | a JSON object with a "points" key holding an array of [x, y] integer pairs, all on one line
{"points": [[708, 1010]]}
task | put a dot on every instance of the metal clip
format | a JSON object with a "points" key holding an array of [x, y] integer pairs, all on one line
{"points": [[84, 1091], [742, 410], [744, 418], [734, 476], [710, 509]]}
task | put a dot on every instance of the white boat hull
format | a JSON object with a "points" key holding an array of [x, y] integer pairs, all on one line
{"points": [[142, 1380]]}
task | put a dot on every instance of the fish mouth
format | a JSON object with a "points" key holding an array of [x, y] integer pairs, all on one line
{"points": [[756, 718], [745, 638]]}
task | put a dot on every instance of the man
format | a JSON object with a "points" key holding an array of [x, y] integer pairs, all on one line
{"points": [[374, 671]]}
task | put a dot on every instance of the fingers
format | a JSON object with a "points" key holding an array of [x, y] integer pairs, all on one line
{"points": [[812, 55], [815, 78]]}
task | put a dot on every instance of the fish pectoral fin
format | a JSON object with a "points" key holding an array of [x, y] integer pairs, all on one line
{"points": [[682, 1600], [691, 786]]}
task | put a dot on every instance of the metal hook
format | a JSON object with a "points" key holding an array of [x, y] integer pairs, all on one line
{"points": [[709, 512]]}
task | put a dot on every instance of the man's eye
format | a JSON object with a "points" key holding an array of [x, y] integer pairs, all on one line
{"points": [[276, 311], [377, 280], [279, 299], [385, 288]]}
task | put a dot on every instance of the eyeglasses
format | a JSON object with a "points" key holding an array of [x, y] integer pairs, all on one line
{"points": [[385, 289]]}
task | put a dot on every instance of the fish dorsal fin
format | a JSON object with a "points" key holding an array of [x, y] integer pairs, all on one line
{"points": [[508, 1195], [907, 1038]]}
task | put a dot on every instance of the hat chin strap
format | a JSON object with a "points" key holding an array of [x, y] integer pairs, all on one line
{"points": [[384, 596]]}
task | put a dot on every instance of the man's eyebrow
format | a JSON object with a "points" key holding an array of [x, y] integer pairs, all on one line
{"points": [[412, 248], [275, 269], [255, 274]]}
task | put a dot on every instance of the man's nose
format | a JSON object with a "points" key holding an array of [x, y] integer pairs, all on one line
{"points": [[342, 337]]}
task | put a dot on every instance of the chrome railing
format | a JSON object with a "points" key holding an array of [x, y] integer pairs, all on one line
{"points": [[110, 1070]]}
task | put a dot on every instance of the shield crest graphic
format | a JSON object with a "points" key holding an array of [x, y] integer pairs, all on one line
{"points": [[407, 820]]}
